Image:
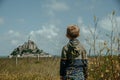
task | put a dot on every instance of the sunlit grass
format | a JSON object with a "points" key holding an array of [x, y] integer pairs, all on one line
{"points": [[104, 68], [29, 69]]}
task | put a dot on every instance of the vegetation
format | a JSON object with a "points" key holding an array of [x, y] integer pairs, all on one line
{"points": [[105, 68], [48, 69], [29, 69], [106, 63]]}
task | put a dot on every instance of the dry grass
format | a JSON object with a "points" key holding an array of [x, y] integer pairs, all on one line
{"points": [[104, 68], [29, 69], [101, 68]]}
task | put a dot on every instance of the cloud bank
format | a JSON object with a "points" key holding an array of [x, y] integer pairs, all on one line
{"points": [[106, 23]]}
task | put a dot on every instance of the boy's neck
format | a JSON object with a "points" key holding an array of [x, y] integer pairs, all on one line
{"points": [[72, 39]]}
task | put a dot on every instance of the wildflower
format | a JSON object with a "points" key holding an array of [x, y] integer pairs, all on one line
{"points": [[107, 71], [102, 75], [92, 69]]}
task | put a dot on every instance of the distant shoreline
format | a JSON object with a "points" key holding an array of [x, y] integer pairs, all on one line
{"points": [[3, 56]]}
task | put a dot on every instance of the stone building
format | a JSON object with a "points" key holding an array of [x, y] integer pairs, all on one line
{"points": [[29, 49]]}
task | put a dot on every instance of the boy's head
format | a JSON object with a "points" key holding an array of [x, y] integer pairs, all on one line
{"points": [[72, 31]]}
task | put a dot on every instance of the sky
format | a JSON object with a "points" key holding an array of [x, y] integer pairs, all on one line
{"points": [[45, 21]]}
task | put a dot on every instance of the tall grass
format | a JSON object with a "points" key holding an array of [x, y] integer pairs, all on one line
{"points": [[29, 69], [105, 67], [48, 69], [103, 71]]}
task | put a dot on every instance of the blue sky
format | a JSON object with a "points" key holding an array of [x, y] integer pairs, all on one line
{"points": [[46, 21]]}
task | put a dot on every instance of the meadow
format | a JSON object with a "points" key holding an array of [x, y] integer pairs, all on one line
{"points": [[100, 68]]}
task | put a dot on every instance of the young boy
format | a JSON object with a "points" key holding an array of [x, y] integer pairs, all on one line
{"points": [[73, 64]]}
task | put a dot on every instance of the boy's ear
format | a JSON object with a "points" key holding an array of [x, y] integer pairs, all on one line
{"points": [[67, 36]]}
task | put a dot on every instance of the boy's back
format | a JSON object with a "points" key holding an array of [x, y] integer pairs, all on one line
{"points": [[73, 60]]}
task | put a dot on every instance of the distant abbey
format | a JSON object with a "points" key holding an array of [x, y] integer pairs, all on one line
{"points": [[28, 49]]}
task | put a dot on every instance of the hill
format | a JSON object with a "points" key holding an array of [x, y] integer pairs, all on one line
{"points": [[29, 48]]}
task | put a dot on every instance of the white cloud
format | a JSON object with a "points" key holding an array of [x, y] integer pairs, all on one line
{"points": [[47, 38], [86, 33], [48, 32], [58, 6], [10, 31], [101, 40], [15, 38], [106, 23], [51, 12], [14, 33], [85, 30], [80, 21], [55, 6], [14, 42], [1, 21], [32, 33]]}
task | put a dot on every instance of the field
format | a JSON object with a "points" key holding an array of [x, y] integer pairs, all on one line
{"points": [[100, 68]]}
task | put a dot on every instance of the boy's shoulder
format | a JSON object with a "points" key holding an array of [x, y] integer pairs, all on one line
{"points": [[65, 47], [79, 47]]}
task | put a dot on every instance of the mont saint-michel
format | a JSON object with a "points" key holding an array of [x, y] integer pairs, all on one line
{"points": [[29, 49]]}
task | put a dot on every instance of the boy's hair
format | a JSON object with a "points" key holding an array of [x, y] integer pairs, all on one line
{"points": [[73, 31]]}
